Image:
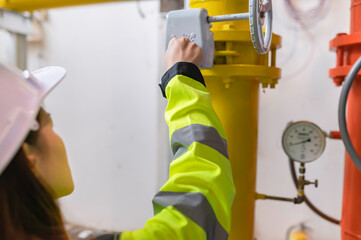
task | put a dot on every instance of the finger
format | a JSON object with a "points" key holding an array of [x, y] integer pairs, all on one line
{"points": [[193, 46], [182, 42], [172, 41], [184, 39]]}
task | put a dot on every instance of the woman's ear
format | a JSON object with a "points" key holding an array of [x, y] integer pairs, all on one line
{"points": [[30, 154]]}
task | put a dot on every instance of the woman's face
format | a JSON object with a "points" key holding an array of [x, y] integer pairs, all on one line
{"points": [[49, 160]]}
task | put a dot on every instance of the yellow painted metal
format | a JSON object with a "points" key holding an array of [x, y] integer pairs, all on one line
{"points": [[301, 235], [30, 5], [234, 85]]}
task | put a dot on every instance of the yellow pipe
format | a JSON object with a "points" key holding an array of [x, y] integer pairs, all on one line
{"points": [[234, 85], [30, 5]]}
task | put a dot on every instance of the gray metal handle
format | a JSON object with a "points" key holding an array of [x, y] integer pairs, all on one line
{"points": [[230, 17]]}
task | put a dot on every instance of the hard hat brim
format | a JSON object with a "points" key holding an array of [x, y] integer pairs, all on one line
{"points": [[49, 78], [24, 93]]}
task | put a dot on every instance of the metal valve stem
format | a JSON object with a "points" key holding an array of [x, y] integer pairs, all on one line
{"points": [[229, 17]]}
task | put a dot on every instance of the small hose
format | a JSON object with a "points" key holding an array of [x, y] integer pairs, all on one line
{"points": [[307, 201], [344, 134], [342, 113]]}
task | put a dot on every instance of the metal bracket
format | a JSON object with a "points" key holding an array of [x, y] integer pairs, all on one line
{"points": [[15, 22], [19, 25]]}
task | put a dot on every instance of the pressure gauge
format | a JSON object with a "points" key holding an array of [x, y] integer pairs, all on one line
{"points": [[303, 141]]}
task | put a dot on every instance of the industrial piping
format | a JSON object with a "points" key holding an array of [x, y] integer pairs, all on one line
{"points": [[234, 86], [348, 49]]}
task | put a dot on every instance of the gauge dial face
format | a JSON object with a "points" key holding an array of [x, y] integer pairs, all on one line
{"points": [[303, 141]]}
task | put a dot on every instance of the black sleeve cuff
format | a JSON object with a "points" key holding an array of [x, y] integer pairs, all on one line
{"points": [[181, 68]]}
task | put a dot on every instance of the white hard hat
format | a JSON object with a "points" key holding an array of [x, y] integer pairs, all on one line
{"points": [[21, 94]]}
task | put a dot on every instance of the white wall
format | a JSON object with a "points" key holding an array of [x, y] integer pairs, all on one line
{"points": [[109, 109], [304, 93], [108, 112]]}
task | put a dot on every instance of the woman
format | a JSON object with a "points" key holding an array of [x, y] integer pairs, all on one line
{"points": [[193, 204], [39, 171]]}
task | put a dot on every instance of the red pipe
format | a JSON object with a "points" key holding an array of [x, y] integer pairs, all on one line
{"points": [[348, 48]]}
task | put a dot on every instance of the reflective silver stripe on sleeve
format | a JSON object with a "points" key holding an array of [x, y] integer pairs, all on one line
{"points": [[196, 207], [184, 137]]}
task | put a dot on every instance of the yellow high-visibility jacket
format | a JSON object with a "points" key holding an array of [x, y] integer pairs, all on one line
{"points": [[195, 203]]}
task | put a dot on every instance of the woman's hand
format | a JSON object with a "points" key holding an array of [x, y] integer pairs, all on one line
{"points": [[183, 50]]}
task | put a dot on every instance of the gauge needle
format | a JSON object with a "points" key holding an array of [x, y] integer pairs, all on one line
{"points": [[308, 140]]}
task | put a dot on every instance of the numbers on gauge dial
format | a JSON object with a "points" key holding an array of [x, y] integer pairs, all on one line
{"points": [[303, 141]]}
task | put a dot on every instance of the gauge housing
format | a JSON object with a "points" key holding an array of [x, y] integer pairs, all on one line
{"points": [[303, 141]]}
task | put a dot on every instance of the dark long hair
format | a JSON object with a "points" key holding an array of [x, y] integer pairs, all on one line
{"points": [[27, 208]]}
